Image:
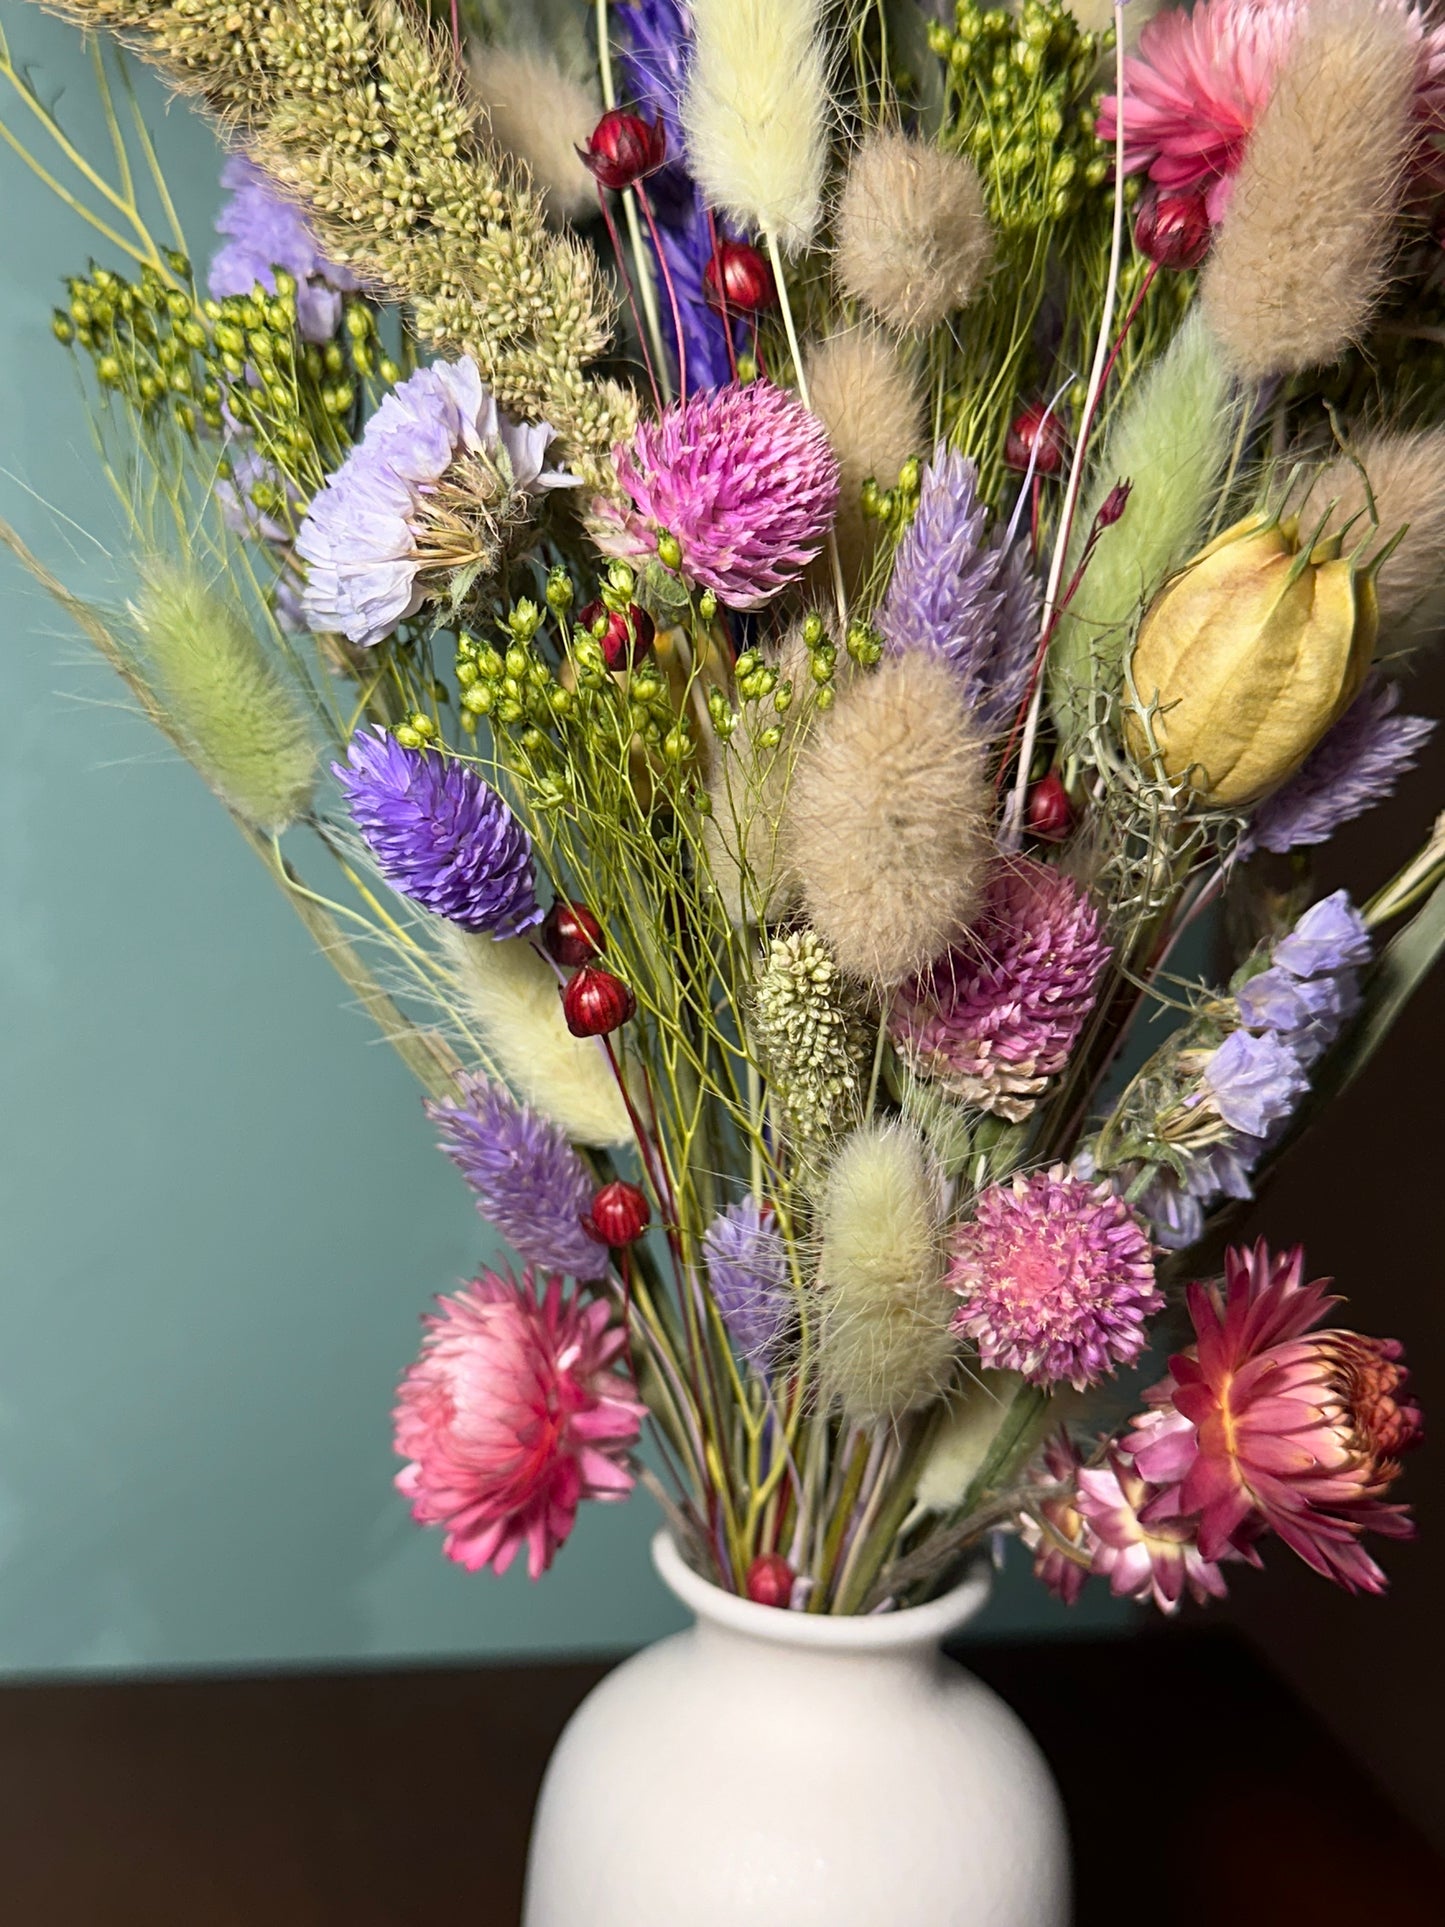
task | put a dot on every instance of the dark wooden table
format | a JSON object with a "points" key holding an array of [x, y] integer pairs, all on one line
{"points": [[1198, 1791]]}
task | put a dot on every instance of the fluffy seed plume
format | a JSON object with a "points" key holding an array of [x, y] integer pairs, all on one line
{"points": [[975, 1416], [1404, 474], [756, 113], [237, 715], [507, 998], [1304, 252], [867, 397], [884, 1345], [809, 1031], [742, 832], [540, 115], [887, 819], [913, 238]]}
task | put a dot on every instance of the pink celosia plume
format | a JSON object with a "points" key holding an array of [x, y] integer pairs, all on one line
{"points": [[514, 1413]]}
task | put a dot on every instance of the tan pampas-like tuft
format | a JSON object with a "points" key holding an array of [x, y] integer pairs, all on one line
{"points": [[1304, 253], [512, 83], [1405, 473], [884, 1344], [864, 392], [887, 824], [756, 113], [913, 240]]}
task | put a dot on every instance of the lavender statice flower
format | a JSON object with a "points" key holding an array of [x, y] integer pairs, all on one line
{"points": [[530, 1183], [1357, 764], [1329, 938], [438, 483], [1254, 1082], [747, 1270], [267, 232], [440, 835], [958, 594]]}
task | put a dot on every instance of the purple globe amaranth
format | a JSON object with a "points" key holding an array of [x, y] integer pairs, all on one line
{"points": [[997, 1018], [437, 483], [530, 1183], [957, 594], [1356, 764], [265, 232], [440, 835], [743, 479], [747, 1273]]}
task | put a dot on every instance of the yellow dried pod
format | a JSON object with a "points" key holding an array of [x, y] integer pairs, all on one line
{"points": [[1247, 656]]}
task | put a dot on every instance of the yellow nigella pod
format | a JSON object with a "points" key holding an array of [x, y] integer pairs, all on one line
{"points": [[1247, 657]]}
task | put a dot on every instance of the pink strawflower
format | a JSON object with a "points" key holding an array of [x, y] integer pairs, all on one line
{"points": [[1056, 1277], [744, 480], [1265, 1425], [995, 1020], [1142, 1561], [513, 1413], [1202, 77], [1059, 1523]]}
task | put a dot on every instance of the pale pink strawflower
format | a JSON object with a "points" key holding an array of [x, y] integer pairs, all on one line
{"points": [[1161, 1561], [1057, 1524], [744, 480], [1056, 1277], [515, 1411], [997, 1018], [1202, 77], [1265, 1425]]}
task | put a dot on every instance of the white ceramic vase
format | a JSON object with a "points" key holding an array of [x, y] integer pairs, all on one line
{"points": [[776, 1769]]}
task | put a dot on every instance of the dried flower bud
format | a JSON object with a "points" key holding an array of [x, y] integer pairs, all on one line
{"points": [[572, 935], [1173, 230], [770, 1580], [619, 1215], [1037, 436], [740, 277], [627, 637], [622, 149], [595, 1002], [1048, 812], [1248, 656]]}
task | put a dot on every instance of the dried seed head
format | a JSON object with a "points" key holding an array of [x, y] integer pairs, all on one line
{"points": [[913, 238]]}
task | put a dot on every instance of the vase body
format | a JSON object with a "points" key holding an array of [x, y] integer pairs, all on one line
{"points": [[776, 1769]]}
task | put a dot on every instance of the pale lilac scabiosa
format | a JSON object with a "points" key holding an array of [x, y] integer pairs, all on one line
{"points": [[440, 835], [1355, 765], [744, 481], [440, 482], [265, 232], [1202, 77], [515, 1412], [956, 593], [1056, 1278], [1267, 1425], [747, 1273], [997, 1018], [530, 1183]]}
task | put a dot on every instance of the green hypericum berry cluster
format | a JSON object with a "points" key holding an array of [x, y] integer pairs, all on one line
{"points": [[1021, 95]]}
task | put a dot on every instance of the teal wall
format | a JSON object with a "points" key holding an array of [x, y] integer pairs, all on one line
{"points": [[221, 1208]]}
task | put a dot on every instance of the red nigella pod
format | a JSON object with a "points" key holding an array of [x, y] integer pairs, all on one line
{"points": [[626, 637], [572, 935], [1038, 435], [770, 1580], [595, 1002], [619, 1214], [1173, 229], [622, 148], [1048, 812], [1113, 505], [739, 275]]}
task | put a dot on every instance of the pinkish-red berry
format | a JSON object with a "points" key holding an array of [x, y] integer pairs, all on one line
{"points": [[629, 634], [1173, 229], [619, 1214], [738, 275], [770, 1580], [595, 1002], [1037, 436], [572, 935], [1048, 813], [622, 149]]}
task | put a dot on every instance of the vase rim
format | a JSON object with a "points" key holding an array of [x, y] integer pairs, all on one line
{"points": [[908, 1628]]}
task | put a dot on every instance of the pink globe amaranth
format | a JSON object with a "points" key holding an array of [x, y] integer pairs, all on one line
{"points": [[514, 1413], [1056, 1276], [1266, 1425], [743, 479]]}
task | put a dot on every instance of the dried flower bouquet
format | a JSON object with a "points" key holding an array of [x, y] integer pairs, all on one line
{"points": [[786, 554]]}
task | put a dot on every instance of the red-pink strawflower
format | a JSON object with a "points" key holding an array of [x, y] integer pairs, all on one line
{"points": [[1056, 1524], [1056, 1277], [1201, 78], [1142, 1561], [514, 1413], [1265, 1425], [741, 478]]}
